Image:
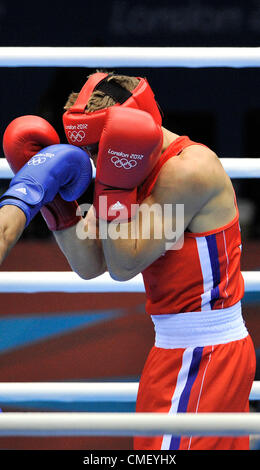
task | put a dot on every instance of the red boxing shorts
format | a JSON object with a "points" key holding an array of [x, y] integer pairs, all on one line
{"points": [[199, 378]]}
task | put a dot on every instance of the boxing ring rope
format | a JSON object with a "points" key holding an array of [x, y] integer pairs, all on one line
{"points": [[79, 392], [65, 281], [130, 57], [119, 424], [128, 424], [235, 168]]}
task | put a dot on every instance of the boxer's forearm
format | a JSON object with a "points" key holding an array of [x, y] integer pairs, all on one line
{"points": [[121, 258], [129, 248], [12, 223], [85, 256]]}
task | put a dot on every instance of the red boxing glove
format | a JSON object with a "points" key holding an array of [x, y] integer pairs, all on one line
{"points": [[129, 148], [23, 138]]}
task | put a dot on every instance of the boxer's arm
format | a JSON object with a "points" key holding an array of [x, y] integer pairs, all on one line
{"points": [[147, 237], [85, 256], [82, 247], [12, 223]]}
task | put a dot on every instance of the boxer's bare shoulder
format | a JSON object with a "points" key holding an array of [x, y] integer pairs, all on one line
{"points": [[197, 179], [196, 172]]}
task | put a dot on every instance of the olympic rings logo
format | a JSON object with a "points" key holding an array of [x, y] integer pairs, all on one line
{"points": [[123, 163], [39, 159], [76, 136]]}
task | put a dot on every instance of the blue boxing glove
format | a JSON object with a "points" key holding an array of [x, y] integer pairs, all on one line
{"points": [[60, 168]]}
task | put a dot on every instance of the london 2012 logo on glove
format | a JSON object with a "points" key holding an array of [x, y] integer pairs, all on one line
{"points": [[120, 159]]}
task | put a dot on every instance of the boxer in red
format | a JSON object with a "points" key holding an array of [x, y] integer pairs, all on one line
{"points": [[203, 359]]}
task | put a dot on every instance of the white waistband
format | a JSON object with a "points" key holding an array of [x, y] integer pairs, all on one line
{"points": [[204, 328]]}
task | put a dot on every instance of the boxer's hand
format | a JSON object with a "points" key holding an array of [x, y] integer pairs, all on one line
{"points": [[62, 169], [129, 148]]}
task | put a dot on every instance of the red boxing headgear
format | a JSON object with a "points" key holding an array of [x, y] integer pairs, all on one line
{"points": [[84, 129]]}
